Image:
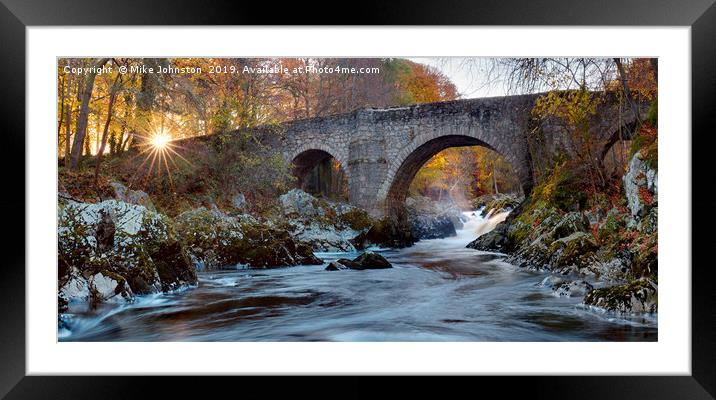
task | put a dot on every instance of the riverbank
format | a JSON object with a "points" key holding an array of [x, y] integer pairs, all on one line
{"points": [[606, 253], [436, 290]]}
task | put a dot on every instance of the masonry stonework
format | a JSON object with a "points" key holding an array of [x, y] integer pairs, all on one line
{"points": [[381, 150]]}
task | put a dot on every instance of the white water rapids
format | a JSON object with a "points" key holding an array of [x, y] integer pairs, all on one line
{"points": [[438, 290]]}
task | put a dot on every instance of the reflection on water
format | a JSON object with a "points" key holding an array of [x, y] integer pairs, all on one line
{"points": [[438, 290]]}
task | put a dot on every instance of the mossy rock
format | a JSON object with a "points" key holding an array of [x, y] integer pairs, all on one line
{"points": [[356, 219], [571, 223], [636, 296], [143, 242], [535, 254], [391, 231], [614, 222], [517, 232], [576, 249]]}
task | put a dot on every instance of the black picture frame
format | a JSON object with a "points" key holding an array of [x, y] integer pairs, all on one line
{"points": [[16, 15]]}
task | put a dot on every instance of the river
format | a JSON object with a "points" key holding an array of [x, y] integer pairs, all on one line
{"points": [[437, 290]]}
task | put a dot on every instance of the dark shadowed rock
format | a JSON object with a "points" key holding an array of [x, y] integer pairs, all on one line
{"points": [[346, 263], [495, 240], [392, 230], [104, 233], [367, 260], [336, 266], [370, 260]]}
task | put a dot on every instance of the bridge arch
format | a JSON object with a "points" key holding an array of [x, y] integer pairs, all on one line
{"points": [[410, 159], [306, 157]]}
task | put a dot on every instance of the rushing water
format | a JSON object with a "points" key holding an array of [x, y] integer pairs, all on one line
{"points": [[438, 290]]}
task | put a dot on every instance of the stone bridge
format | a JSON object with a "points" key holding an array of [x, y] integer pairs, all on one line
{"points": [[381, 150]]}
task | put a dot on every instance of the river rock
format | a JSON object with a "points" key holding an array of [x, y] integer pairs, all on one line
{"points": [[392, 231], [634, 297], [367, 260], [494, 203], [432, 227], [326, 226], [302, 204], [335, 266], [323, 237], [571, 288], [495, 240], [576, 249], [114, 250], [215, 240], [432, 220], [371, 260]]}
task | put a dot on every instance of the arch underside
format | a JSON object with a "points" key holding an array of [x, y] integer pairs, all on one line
{"points": [[411, 165], [304, 162]]}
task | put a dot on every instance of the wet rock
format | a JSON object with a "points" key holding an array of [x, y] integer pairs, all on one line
{"points": [[326, 226], [393, 230], [359, 240], [634, 297], [214, 240], [432, 220], [342, 264], [350, 264], [367, 260], [571, 288], [371, 260], [495, 203], [432, 227], [113, 250], [495, 240], [576, 249]]}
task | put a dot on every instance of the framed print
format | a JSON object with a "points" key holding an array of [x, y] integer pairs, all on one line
{"points": [[479, 199]]}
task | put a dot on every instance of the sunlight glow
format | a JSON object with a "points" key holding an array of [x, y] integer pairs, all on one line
{"points": [[160, 141], [159, 150]]}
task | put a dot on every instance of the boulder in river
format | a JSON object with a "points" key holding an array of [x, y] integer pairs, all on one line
{"points": [[432, 220], [496, 203], [215, 240], [640, 295], [114, 250], [367, 260], [572, 288], [371, 260], [326, 226]]}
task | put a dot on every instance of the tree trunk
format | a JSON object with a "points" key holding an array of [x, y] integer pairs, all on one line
{"points": [[627, 93], [84, 111], [100, 152], [62, 104], [68, 122], [494, 179]]}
